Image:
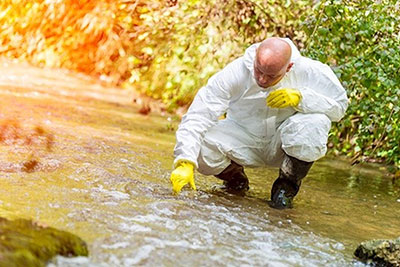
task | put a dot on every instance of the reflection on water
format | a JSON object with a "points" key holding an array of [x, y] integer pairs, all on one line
{"points": [[110, 186]]}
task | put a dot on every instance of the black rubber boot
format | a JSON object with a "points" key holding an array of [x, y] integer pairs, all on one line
{"points": [[235, 180], [287, 185]]}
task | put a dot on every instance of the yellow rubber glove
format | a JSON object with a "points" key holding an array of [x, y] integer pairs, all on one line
{"points": [[182, 175], [283, 98]]}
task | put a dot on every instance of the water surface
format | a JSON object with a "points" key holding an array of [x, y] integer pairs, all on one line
{"points": [[106, 179]]}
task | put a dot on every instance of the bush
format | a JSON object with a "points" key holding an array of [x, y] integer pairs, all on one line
{"points": [[94, 37], [168, 50], [361, 39], [191, 40]]}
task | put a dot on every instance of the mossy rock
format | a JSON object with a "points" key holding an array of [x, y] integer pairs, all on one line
{"points": [[25, 243], [380, 252]]}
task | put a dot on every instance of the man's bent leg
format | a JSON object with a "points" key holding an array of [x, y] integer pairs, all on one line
{"points": [[234, 178], [211, 161], [304, 138], [226, 148], [287, 185]]}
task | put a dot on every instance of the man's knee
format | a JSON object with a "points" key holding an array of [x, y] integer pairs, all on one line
{"points": [[304, 136], [211, 161]]}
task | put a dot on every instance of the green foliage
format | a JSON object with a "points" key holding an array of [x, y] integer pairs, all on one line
{"points": [[191, 40], [168, 50], [361, 40], [95, 37]]}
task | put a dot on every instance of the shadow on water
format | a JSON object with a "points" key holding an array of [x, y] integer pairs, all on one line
{"points": [[110, 185]]}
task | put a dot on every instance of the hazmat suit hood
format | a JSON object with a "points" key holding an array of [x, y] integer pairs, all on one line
{"points": [[250, 54]]}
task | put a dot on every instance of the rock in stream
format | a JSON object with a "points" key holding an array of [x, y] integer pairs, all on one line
{"points": [[26, 243], [380, 252]]}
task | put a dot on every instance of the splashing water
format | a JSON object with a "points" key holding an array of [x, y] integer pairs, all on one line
{"points": [[106, 180]]}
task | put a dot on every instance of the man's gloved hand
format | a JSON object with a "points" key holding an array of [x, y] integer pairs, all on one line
{"points": [[283, 98], [182, 175]]}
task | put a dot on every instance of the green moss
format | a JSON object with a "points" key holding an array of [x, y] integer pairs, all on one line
{"points": [[25, 243], [18, 258]]}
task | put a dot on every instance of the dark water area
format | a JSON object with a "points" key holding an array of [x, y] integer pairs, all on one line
{"points": [[105, 178]]}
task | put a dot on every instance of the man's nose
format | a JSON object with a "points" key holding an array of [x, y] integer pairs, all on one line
{"points": [[262, 79]]}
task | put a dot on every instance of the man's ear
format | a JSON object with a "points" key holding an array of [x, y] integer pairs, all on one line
{"points": [[289, 66]]}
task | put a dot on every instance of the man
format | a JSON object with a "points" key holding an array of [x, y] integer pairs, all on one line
{"points": [[279, 106]]}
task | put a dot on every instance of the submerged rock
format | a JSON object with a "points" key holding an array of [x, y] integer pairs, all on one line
{"points": [[25, 243], [380, 252]]}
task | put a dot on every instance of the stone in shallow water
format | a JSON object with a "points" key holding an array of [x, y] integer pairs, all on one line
{"points": [[380, 252], [25, 243]]}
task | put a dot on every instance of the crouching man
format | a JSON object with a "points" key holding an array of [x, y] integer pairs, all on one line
{"points": [[279, 107]]}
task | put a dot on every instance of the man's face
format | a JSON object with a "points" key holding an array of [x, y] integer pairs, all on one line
{"points": [[266, 77]]}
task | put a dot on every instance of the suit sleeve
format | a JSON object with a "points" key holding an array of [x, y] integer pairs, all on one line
{"points": [[322, 91], [209, 104]]}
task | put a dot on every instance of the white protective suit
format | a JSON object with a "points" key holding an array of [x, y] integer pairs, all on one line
{"points": [[254, 134]]}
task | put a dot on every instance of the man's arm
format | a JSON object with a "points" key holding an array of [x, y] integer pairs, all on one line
{"points": [[322, 91], [209, 104]]}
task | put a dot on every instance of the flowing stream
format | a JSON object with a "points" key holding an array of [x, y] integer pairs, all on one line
{"points": [[101, 171]]}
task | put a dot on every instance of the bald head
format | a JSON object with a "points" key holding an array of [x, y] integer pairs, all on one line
{"points": [[272, 61]]}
